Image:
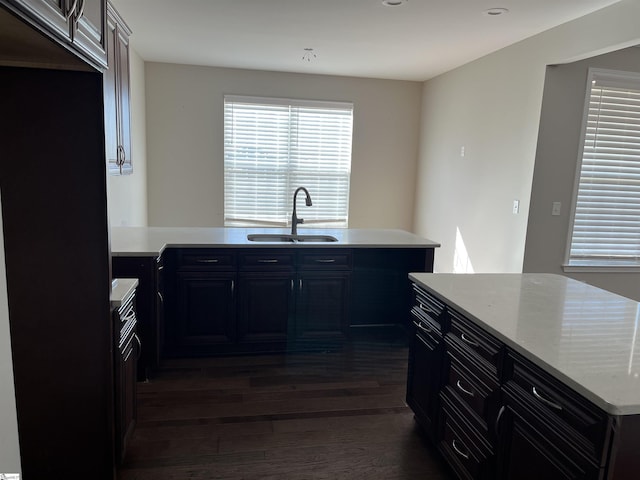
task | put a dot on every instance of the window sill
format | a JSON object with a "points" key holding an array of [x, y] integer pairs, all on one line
{"points": [[594, 268]]}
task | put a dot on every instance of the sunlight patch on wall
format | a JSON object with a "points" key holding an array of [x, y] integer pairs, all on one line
{"points": [[461, 260]]}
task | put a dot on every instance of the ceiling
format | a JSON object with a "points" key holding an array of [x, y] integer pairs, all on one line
{"points": [[362, 38]]}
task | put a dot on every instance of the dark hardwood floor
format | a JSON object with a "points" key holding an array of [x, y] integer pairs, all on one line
{"points": [[330, 415]]}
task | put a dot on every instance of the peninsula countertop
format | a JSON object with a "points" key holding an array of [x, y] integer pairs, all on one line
{"points": [[586, 337], [151, 241]]}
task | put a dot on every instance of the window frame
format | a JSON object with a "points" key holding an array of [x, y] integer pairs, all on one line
{"points": [[593, 265], [293, 160]]}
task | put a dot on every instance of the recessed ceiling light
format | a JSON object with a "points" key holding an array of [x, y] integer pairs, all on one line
{"points": [[393, 3], [494, 12]]}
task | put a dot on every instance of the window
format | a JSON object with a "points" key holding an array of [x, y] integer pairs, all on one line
{"points": [[606, 226], [272, 146]]}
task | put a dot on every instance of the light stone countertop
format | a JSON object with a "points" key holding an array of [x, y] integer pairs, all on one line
{"points": [[151, 241], [121, 290], [584, 336]]}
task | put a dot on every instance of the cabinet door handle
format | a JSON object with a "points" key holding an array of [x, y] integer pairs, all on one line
{"points": [[71, 10], [325, 260], [80, 10], [160, 297], [292, 285], [497, 424], [464, 390], [207, 260], [233, 286], [300, 284], [423, 328], [464, 455], [546, 401], [267, 260], [468, 341]]}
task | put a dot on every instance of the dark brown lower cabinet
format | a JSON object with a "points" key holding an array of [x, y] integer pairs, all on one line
{"points": [[321, 308], [423, 380], [127, 350], [532, 449], [206, 309], [495, 415], [266, 302]]}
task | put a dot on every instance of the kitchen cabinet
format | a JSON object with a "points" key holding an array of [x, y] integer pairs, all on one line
{"points": [[424, 378], [127, 350], [500, 415], [116, 96], [266, 299], [149, 306], [257, 300], [203, 297], [77, 24]]}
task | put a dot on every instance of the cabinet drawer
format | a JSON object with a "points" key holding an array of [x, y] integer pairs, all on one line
{"points": [[473, 339], [206, 258], [466, 450], [555, 400], [428, 307], [472, 384], [325, 260], [271, 259]]}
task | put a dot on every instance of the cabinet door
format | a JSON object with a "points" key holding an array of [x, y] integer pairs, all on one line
{"points": [[52, 14], [266, 301], [531, 449], [322, 306], [206, 311], [424, 377], [116, 95], [89, 29]]}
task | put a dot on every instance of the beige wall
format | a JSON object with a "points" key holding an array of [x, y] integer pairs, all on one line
{"points": [[127, 194], [556, 167], [185, 140], [492, 107]]}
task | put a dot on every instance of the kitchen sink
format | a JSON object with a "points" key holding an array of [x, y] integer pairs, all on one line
{"points": [[287, 238]]}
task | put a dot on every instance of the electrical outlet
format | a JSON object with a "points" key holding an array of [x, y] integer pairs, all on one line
{"points": [[516, 206], [555, 208]]}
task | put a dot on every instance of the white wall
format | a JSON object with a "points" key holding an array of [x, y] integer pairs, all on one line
{"points": [[556, 167], [127, 194], [9, 444], [185, 140], [492, 108]]}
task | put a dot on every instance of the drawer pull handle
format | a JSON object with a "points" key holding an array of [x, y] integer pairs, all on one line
{"points": [[464, 390], [423, 328], [207, 260], [544, 400], [267, 260], [468, 341], [464, 455], [426, 309], [325, 260]]}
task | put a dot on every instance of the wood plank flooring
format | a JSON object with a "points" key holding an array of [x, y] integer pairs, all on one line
{"points": [[330, 415]]}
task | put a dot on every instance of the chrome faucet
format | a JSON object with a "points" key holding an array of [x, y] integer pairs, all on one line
{"points": [[294, 218]]}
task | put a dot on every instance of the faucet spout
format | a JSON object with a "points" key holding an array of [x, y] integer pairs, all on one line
{"points": [[294, 217]]}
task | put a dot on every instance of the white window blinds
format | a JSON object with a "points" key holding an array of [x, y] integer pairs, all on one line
{"points": [[273, 146], [606, 229]]}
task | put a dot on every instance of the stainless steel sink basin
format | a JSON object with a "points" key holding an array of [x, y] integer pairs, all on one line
{"points": [[287, 238]]}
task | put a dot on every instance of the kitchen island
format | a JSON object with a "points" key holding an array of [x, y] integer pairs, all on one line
{"points": [[211, 291], [526, 375]]}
